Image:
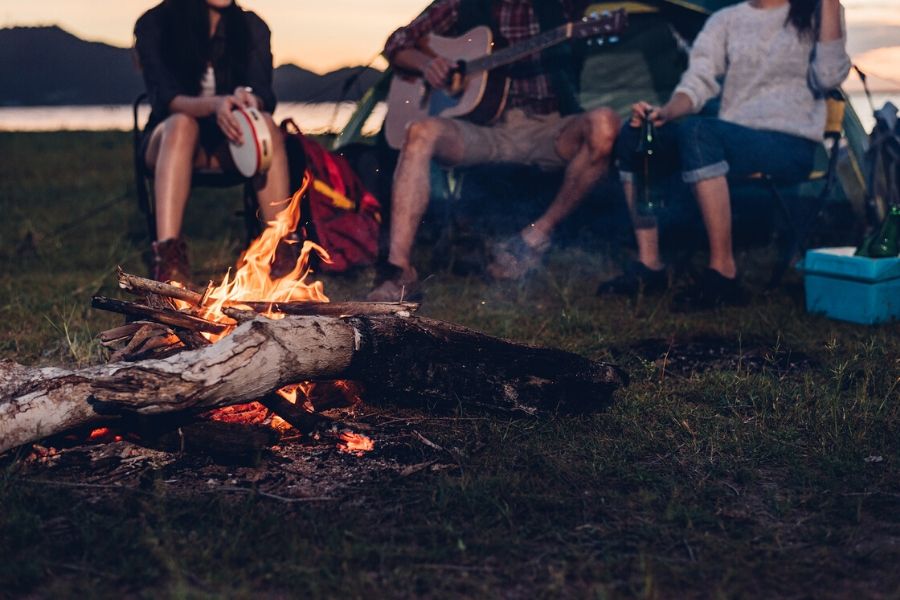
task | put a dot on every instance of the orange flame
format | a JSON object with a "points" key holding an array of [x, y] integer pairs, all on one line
{"points": [[252, 281]]}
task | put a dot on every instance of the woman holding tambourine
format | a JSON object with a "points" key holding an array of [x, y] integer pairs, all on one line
{"points": [[207, 66]]}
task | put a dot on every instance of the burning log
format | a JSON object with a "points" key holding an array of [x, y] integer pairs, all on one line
{"points": [[408, 360]]}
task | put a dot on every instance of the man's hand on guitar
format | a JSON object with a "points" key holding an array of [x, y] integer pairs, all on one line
{"points": [[644, 110], [437, 72]]}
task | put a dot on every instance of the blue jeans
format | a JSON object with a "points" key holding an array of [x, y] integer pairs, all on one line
{"points": [[707, 147]]}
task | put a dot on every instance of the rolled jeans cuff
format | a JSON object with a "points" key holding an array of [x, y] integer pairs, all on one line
{"points": [[718, 169], [626, 176]]}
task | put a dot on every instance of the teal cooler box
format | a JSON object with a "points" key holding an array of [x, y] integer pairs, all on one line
{"points": [[852, 288]]}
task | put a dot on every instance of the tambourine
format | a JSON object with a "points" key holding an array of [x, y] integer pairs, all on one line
{"points": [[255, 155]]}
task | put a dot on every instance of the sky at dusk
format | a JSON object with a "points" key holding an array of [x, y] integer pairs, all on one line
{"points": [[325, 34]]}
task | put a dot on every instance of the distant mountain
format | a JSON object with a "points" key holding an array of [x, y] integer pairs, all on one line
{"points": [[295, 84], [49, 66]]}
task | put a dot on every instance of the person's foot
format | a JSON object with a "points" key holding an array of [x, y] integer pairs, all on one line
{"points": [[515, 258], [170, 262], [394, 284], [287, 253], [637, 278], [713, 290]]}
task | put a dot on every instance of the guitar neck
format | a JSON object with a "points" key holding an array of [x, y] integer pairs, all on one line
{"points": [[509, 55]]}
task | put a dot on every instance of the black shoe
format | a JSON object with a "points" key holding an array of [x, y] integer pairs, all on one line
{"points": [[713, 290], [636, 278]]}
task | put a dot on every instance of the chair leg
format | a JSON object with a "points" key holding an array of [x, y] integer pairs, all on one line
{"points": [[251, 219], [788, 246], [800, 226], [144, 202]]}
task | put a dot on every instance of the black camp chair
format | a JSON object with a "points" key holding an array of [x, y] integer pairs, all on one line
{"points": [[801, 211], [208, 178]]}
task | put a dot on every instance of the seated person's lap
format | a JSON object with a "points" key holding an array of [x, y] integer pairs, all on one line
{"points": [[517, 138], [211, 151], [705, 147]]}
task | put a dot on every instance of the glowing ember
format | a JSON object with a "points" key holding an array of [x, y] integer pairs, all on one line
{"points": [[103, 434], [355, 443]]}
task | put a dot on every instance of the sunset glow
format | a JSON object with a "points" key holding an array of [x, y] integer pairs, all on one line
{"points": [[323, 36]]}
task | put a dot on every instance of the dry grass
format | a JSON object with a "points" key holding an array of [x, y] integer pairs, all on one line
{"points": [[769, 470]]}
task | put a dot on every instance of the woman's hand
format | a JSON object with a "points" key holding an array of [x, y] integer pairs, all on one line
{"points": [[227, 121], [644, 110], [246, 97]]}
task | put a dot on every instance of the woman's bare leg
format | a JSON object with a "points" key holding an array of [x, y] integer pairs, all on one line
{"points": [[171, 154], [715, 205], [646, 232], [273, 189]]}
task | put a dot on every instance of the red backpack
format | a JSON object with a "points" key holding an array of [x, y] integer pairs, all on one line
{"points": [[338, 212]]}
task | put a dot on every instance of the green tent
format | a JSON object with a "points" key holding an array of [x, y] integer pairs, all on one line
{"points": [[646, 63]]}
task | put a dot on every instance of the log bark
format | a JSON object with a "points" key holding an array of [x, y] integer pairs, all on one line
{"points": [[409, 360]]}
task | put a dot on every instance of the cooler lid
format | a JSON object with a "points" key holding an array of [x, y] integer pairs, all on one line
{"points": [[840, 262]]}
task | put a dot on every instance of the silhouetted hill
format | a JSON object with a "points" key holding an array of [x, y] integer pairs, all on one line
{"points": [[49, 66]]}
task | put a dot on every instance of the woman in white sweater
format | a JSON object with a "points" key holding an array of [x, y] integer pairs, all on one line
{"points": [[770, 61]]}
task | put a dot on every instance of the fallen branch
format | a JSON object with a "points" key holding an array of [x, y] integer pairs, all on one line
{"points": [[407, 360], [165, 316], [142, 285]]}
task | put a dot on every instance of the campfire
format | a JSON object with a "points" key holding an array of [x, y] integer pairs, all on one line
{"points": [[257, 349]]}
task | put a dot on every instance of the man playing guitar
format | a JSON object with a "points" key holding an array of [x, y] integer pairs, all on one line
{"points": [[539, 126]]}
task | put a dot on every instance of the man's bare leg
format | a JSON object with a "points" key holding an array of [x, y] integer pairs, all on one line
{"points": [[431, 138], [587, 143], [715, 206]]}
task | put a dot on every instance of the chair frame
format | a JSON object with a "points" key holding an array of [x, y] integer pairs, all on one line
{"points": [[800, 226], [209, 178]]}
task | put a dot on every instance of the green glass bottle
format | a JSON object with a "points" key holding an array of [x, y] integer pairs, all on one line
{"points": [[885, 242], [647, 202]]}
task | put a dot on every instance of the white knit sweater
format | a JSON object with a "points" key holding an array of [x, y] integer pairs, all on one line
{"points": [[760, 66]]}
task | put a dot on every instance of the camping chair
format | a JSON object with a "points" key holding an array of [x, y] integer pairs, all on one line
{"points": [[800, 215], [209, 178]]}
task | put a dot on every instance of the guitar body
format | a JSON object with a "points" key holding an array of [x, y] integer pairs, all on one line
{"points": [[481, 97]]}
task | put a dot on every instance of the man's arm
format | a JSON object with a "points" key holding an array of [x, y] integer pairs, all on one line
{"points": [[404, 47]]}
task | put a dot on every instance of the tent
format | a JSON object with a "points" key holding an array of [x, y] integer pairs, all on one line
{"points": [[646, 63]]}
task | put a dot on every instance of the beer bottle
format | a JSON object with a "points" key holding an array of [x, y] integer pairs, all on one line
{"points": [[647, 203], [885, 243]]}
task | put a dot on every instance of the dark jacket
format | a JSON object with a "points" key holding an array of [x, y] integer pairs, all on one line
{"points": [[162, 84]]}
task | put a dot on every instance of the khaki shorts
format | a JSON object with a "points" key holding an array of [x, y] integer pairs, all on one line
{"points": [[516, 138]]}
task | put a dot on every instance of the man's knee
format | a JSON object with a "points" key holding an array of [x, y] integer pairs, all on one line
{"points": [[423, 135], [602, 128]]}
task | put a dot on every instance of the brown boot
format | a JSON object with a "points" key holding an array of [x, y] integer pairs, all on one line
{"points": [[170, 262]]}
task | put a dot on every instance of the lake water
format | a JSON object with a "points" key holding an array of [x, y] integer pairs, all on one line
{"points": [[311, 118]]}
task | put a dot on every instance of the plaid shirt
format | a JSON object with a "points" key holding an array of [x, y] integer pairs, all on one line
{"points": [[516, 22]]}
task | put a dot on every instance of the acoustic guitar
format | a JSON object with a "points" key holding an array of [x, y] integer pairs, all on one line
{"points": [[478, 86]]}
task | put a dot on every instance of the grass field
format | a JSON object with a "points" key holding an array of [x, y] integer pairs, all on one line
{"points": [[756, 452]]}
